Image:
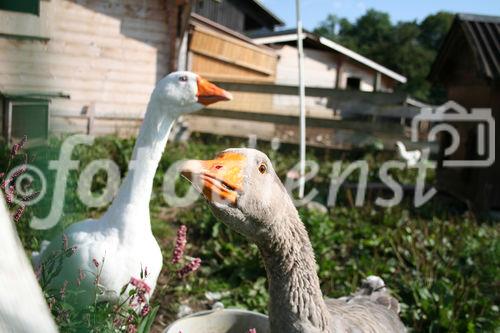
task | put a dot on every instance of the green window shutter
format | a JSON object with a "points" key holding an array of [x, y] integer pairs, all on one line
{"points": [[22, 6]]}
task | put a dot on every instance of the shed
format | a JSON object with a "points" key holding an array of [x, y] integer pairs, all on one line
{"points": [[105, 57], [327, 63], [468, 66]]}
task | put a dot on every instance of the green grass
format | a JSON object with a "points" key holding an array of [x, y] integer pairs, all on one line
{"points": [[441, 264]]}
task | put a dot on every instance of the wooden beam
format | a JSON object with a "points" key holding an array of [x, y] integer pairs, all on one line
{"points": [[339, 72], [380, 128], [178, 12], [234, 62], [91, 118], [377, 82], [337, 95]]}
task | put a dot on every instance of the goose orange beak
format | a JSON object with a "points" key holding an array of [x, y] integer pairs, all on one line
{"points": [[209, 93], [220, 179]]}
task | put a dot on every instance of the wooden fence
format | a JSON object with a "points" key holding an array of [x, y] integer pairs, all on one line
{"points": [[340, 119], [343, 120]]}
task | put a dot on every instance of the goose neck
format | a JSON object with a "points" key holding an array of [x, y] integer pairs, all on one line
{"points": [[135, 192], [296, 302]]}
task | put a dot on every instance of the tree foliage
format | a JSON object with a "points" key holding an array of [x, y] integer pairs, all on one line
{"points": [[407, 47]]}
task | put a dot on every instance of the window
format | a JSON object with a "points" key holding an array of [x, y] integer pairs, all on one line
{"points": [[353, 83], [25, 116], [21, 6]]}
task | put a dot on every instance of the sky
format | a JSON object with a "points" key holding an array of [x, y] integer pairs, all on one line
{"points": [[314, 11]]}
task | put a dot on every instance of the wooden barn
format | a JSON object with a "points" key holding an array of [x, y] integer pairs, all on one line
{"points": [[345, 91], [82, 65], [468, 66], [89, 66]]}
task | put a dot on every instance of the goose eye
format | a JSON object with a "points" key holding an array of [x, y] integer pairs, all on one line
{"points": [[183, 78], [262, 168]]}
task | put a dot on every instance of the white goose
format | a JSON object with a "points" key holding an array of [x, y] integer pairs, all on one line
{"points": [[410, 156], [123, 234], [22, 305]]}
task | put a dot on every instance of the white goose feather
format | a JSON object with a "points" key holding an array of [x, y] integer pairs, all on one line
{"points": [[22, 305], [123, 236]]}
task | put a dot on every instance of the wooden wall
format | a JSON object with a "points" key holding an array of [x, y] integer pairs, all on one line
{"points": [[321, 70], [220, 56], [222, 12], [352, 69], [473, 185], [106, 55], [320, 67]]}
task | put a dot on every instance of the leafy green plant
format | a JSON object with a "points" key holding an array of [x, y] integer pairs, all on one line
{"points": [[440, 263]]}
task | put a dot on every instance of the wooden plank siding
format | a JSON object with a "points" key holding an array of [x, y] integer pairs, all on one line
{"points": [[108, 54], [223, 57], [222, 12]]}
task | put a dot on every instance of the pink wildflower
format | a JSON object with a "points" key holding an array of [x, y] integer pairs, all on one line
{"points": [[141, 297], [189, 268], [131, 328], [9, 195], [140, 285], [145, 310], [81, 276], [180, 244], [117, 322], [95, 262], [18, 146], [19, 213], [16, 174], [252, 330], [62, 292]]}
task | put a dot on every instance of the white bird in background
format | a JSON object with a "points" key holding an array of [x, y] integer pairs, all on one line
{"points": [[410, 156], [22, 305], [123, 236]]}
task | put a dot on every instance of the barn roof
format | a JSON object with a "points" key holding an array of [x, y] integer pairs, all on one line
{"points": [[482, 34], [290, 35], [267, 13]]}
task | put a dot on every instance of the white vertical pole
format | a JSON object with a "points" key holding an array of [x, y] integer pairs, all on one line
{"points": [[302, 105]]}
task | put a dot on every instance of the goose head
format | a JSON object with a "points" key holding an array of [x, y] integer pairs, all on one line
{"points": [[185, 92], [243, 190]]}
